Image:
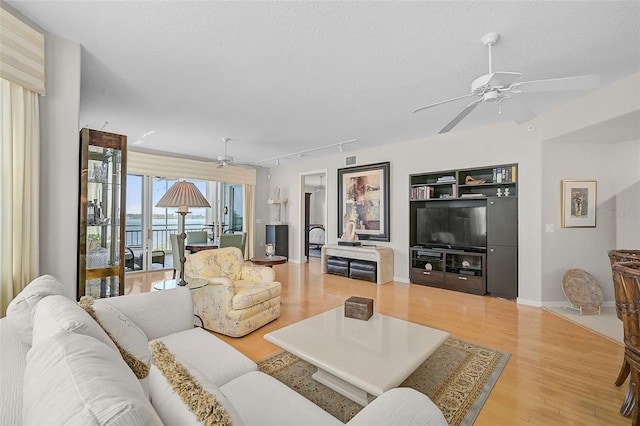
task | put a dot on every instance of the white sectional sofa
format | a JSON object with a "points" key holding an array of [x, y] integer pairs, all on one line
{"points": [[60, 366]]}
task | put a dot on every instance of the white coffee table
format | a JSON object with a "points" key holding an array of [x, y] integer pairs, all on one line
{"points": [[359, 358]]}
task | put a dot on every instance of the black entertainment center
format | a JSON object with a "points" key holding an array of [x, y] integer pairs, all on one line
{"points": [[463, 230]]}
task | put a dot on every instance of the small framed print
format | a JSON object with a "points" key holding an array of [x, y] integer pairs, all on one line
{"points": [[579, 199]]}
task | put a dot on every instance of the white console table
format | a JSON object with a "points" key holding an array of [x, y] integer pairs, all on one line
{"points": [[383, 256]]}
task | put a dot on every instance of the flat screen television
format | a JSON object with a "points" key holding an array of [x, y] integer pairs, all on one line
{"points": [[463, 228]]}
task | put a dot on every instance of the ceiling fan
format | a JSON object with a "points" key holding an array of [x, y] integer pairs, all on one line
{"points": [[224, 160], [320, 187], [499, 86]]}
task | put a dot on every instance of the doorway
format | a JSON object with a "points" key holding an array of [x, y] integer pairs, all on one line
{"points": [[313, 215]]}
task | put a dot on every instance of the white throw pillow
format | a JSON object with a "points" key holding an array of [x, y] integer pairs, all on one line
{"points": [[58, 313], [19, 311], [127, 334], [73, 379], [170, 406]]}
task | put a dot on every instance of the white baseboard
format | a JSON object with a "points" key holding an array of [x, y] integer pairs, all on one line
{"points": [[521, 301], [605, 304]]}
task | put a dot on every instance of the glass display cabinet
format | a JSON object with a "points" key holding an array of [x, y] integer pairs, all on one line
{"points": [[103, 175]]}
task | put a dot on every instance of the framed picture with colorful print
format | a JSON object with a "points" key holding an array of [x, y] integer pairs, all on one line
{"points": [[363, 198]]}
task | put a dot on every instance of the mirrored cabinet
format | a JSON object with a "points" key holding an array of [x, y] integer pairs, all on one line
{"points": [[101, 213]]}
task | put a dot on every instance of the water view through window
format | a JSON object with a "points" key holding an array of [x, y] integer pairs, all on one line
{"points": [[143, 193]]}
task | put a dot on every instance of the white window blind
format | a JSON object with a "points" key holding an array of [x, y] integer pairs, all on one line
{"points": [[21, 53], [181, 168]]}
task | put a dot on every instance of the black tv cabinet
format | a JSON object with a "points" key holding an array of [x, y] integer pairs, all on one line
{"points": [[497, 271], [451, 269]]}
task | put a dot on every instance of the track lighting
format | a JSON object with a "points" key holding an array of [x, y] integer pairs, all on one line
{"points": [[340, 146]]}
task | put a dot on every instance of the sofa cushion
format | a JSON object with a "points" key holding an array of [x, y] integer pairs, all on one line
{"points": [[182, 395], [20, 310], [216, 359], [132, 343], [58, 313], [400, 406], [13, 359], [157, 313], [262, 400], [252, 293], [74, 379]]}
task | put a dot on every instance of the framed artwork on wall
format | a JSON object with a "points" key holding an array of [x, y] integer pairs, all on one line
{"points": [[579, 199], [363, 195]]}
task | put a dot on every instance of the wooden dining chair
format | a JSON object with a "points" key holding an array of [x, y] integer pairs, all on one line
{"points": [[626, 276]]}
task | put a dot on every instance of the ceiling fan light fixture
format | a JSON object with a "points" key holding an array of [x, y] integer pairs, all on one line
{"points": [[224, 160], [490, 96]]}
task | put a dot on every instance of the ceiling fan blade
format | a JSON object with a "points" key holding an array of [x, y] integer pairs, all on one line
{"points": [[516, 111], [582, 82], [502, 78], [461, 115], [443, 102]]}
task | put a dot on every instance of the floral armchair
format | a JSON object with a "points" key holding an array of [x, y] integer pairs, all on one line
{"points": [[239, 298]]}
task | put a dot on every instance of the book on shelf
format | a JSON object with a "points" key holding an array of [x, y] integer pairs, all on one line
{"points": [[504, 174], [472, 195], [423, 192]]}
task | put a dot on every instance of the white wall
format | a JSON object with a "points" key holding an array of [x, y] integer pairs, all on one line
{"points": [[59, 124], [317, 206], [582, 248], [627, 212], [263, 193]]}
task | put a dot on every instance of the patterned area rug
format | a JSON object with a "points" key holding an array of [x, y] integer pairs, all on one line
{"points": [[457, 377]]}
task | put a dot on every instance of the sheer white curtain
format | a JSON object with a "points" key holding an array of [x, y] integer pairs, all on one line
{"points": [[20, 190], [248, 219]]}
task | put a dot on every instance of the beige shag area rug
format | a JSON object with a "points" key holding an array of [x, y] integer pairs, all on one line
{"points": [[457, 377]]}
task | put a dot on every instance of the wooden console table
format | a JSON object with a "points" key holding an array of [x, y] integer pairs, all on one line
{"points": [[383, 256]]}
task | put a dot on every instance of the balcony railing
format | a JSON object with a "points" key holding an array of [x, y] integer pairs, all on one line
{"points": [[159, 234]]}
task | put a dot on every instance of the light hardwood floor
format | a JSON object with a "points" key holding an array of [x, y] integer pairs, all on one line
{"points": [[559, 373]]}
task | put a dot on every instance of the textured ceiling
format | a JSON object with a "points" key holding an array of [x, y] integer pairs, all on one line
{"points": [[282, 77]]}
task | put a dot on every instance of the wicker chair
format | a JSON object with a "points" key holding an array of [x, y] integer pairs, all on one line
{"points": [[626, 276], [622, 255]]}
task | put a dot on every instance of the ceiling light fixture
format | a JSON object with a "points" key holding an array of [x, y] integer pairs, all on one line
{"points": [[340, 146]]}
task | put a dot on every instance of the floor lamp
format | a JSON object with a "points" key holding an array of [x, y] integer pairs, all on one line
{"points": [[183, 195]]}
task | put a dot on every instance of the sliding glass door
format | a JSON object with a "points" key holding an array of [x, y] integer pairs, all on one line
{"points": [[148, 228]]}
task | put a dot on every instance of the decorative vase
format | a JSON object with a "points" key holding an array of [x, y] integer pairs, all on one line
{"points": [[269, 249]]}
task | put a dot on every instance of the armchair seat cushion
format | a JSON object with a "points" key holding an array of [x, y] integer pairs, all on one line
{"points": [[249, 293]]}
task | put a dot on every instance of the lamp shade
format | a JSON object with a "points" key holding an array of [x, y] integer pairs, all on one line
{"points": [[183, 194]]}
